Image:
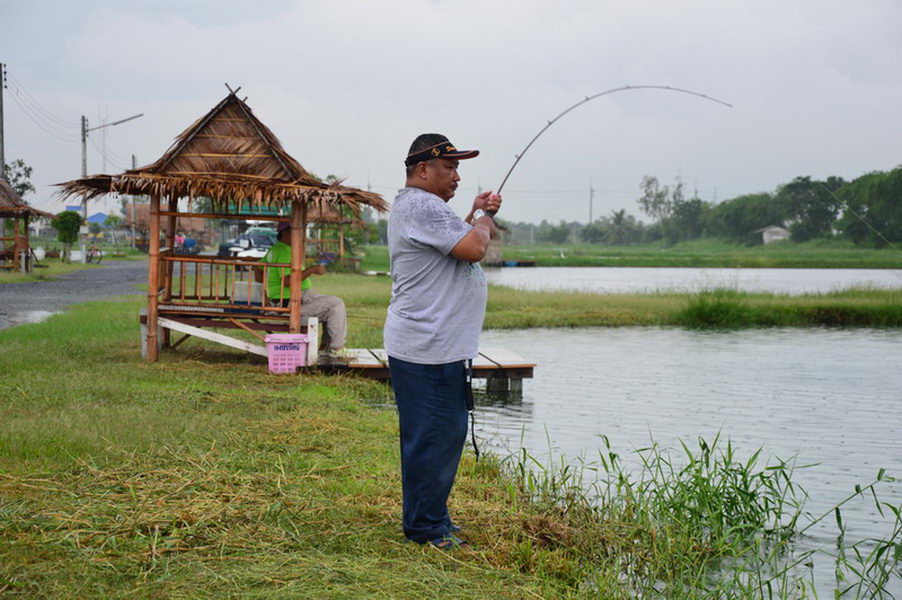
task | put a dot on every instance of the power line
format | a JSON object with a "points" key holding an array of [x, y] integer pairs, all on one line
{"points": [[40, 108], [100, 149], [43, 125]]}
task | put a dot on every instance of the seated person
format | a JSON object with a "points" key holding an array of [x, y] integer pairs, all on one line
{"points": [[330, 310]]}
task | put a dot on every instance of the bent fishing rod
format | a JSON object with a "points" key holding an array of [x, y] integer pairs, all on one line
{"points": [[599, 95]]}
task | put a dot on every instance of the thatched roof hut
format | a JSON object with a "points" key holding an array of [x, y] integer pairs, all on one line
{"points": [[232, 158], [15, 247], [227, 155], [12, 206]]}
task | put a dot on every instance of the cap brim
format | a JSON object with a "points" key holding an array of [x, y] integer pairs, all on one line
{"points": [[461, 154]]}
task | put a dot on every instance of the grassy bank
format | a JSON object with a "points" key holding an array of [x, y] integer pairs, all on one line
{"points": [[204, 476], [696, 253], [508, 308], [711, 253]]}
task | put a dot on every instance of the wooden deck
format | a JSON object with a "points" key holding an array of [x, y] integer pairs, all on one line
{"points": [[503, 369]]}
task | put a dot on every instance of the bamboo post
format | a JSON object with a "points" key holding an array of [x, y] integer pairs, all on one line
{"points": [[153, 277], [17, 248], [169, 266], [298, 235], [170, 243], [26, 264], [341, 244]]}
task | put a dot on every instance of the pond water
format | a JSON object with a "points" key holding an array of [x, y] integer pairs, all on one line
{"points": [[831, 397], [615, 280]]}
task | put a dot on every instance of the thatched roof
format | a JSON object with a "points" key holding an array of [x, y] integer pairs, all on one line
{"points": [[227, 155], [12, 205]]}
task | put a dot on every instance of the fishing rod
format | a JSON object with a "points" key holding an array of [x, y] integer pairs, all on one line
{"points": [[599, 95]]}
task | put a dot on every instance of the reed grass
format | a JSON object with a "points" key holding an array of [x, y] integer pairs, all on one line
{"points": [[700, 524]]}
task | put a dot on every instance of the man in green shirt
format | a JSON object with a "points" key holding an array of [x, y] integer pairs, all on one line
{"points": [[330, 310]]}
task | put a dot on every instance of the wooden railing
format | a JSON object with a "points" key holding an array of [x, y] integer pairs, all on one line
{"points": [[229, 284]]}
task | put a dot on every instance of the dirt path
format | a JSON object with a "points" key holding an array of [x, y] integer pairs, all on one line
{"points": [[30, 302]]}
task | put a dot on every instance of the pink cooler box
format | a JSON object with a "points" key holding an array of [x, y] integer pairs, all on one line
{"points": [[287, 351]]}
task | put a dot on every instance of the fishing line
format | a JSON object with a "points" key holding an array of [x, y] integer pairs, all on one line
{"points": [[859, 217], [599, 95]]}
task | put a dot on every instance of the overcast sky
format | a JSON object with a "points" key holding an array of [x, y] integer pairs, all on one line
{"points": [[346, 86]]}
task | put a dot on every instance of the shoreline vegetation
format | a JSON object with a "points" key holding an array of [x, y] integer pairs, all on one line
{"points": [[204, 475]]}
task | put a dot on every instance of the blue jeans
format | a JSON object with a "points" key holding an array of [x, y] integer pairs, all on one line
{"points": [[432, 412]]}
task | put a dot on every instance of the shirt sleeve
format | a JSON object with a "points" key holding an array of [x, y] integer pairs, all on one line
{"points": [[435, 224]]}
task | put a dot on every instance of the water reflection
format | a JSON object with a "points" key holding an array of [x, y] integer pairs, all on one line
{"points": [[830, 397]]}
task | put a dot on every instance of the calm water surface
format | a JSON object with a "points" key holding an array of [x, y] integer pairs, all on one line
{"points": [[831, 397], [612, 280]]}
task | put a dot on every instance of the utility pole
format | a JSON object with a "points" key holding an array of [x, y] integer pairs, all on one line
{"points": [[84, 171], [2, 156], [591, 197], [132, 202], [2, 87]]}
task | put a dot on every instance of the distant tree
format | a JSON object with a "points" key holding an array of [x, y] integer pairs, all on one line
{"points": [[559, 234], [67, 224], [616, 229], [739, 218], [381, 232], [18, 176], [686, 221], [675, 217], [656, 200], [112, 224], [811, 206], [872, 214], [594, 233]]}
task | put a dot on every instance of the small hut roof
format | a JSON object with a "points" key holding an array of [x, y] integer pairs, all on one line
{"points": [[12, 205], [226, 155]]}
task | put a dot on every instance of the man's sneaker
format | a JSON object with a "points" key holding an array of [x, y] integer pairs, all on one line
{"points": [[449, 542]]}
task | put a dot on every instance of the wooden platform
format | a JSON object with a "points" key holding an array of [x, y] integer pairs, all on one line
{"points": [[494, 364], [502, 369]]}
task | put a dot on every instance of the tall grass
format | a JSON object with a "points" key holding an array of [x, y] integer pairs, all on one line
{"points": [[702, 524], [724, 308]]}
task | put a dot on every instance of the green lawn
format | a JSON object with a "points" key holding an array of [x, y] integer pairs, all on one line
{"points": [[202, 475]]}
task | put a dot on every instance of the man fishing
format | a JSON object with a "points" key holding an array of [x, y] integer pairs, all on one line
{"points": [[432, 328]]}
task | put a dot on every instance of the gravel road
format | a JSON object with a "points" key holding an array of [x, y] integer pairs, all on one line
{"points": [[30, 302]]}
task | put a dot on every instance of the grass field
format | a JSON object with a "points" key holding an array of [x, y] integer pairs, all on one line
{"points": [[695, 253], [50, 269], [204, 476]]}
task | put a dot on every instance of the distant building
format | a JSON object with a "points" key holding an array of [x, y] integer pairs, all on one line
{"points": [[773, 233]]}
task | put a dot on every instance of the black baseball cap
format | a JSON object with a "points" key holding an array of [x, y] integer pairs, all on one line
{"points": [[434, 145]]}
